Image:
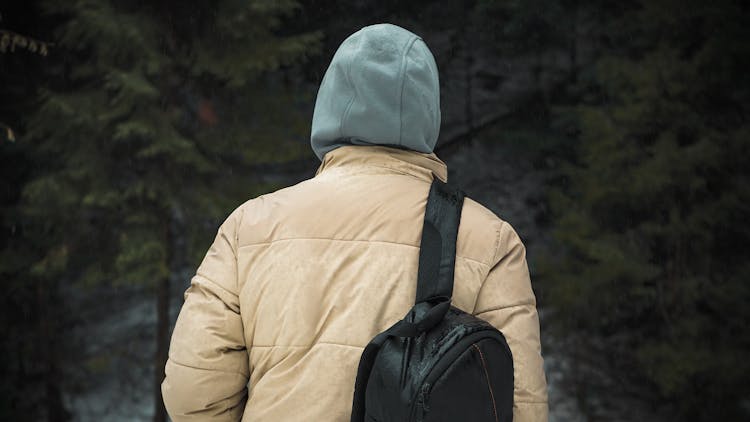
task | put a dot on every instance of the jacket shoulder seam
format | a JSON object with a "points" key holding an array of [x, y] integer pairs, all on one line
{"points": [[350, 240]]}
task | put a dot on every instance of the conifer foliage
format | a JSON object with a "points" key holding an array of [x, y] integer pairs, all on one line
{"points": [[142, 137], [650, 285], [151, 120]]}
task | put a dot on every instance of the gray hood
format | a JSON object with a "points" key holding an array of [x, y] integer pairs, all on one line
{"points": [[381, 88]]}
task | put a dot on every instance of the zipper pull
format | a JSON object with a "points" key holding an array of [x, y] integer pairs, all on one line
{"points": [[424, 394]]}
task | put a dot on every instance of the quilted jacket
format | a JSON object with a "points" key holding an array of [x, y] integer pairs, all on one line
{"points": [[299, 280]]}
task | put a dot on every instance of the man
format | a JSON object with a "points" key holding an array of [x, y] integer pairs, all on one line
{"points": [[298, 281]]}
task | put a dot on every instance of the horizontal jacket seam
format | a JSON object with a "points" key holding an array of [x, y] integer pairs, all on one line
{"points": [[204, 277], [351, 240], [307, 345], [197, 368], [500, 308]]}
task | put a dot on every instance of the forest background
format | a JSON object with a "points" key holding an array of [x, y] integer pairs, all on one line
{"points": [[613, 135]]}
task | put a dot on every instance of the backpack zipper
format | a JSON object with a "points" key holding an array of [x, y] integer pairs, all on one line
{"points": [[420, 408], [423, 408], [487, 377]]}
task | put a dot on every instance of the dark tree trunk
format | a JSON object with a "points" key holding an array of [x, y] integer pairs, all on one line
{"points": [[49, 328], [162, 333], [162, 345], [56, 410], [573, 49], [468, 76]]}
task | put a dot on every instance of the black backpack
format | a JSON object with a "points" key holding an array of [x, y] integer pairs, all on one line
{"points": [[439, 363]]}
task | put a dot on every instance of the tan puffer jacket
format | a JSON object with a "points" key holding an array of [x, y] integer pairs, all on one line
{"points": [[298, 281]]}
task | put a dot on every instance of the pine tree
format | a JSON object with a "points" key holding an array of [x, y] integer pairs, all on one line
{"points": [[151, 129], [650, 285]]}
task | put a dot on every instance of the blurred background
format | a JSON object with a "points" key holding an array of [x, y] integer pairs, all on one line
{"points": [[612, 135]]}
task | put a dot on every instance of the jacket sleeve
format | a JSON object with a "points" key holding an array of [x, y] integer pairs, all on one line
{"points": [[207, 371], [507, 301]]}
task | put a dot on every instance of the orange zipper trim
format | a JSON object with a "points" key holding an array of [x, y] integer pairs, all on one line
{"points": [[487, 375]]}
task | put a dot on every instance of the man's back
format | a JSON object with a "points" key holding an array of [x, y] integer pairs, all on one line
{"points": [[299, 280]]}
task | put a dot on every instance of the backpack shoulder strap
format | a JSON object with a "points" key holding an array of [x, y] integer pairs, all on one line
{"points": [[437, 251], [437, 258]]}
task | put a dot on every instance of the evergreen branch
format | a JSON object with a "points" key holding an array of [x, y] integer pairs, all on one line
{"points": [[11, 40]]}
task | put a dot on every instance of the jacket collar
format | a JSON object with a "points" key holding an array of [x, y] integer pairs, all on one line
{"points": [[354, 158]]}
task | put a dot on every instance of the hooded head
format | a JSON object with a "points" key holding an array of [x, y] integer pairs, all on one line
{"points": [[381, 88]]}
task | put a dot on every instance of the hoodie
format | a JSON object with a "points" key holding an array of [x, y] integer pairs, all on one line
{"points": [[381, 88]]}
